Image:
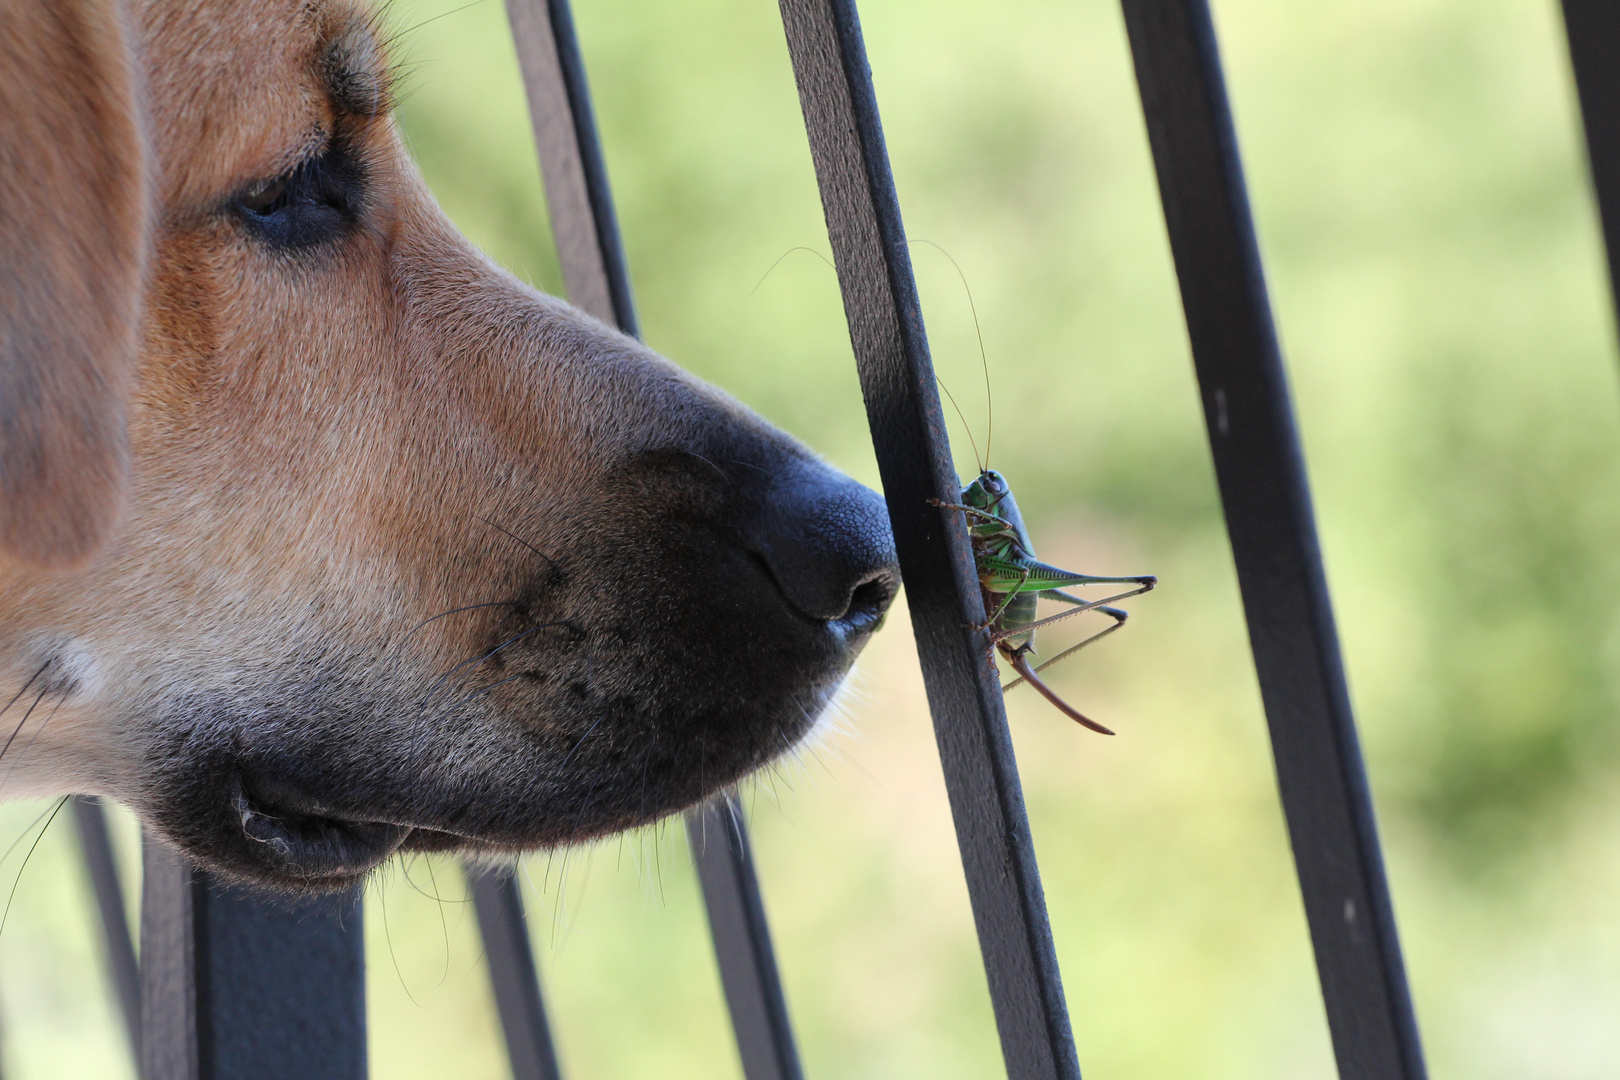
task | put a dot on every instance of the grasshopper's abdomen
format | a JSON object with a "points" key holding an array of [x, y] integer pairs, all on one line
{"points": [[1020, 612]]}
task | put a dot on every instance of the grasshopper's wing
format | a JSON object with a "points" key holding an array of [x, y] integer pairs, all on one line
{"points": [[1028, 575]]}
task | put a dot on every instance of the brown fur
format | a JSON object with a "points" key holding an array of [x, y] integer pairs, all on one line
{"points": [[73, 235], [408, 547]]}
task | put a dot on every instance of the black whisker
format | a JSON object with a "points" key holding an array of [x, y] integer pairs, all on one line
{"points": [[502, 682], [581, 742], [13, 894], [553, 562], [39, 729], [18, 729], [23, 836], [459, 610], [25, 687], [480, 659]]}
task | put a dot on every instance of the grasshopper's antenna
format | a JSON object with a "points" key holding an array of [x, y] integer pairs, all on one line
{"points": [[967, 427], [989, 398], [982, 462], [784, 255]]}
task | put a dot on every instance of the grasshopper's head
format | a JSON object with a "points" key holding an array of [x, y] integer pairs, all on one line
{"points": [[987, 492]]}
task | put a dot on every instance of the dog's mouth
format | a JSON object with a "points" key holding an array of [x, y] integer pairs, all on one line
{"points": [[299, 837]]}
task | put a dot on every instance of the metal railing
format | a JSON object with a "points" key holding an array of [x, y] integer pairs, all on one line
{"points": [[232, 986]]}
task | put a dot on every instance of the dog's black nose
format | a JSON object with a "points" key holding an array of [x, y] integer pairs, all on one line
{"points": [[827, 543]]}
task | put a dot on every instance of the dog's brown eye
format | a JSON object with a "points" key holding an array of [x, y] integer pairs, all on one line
{"points": [[314, 203], [263, 196]]}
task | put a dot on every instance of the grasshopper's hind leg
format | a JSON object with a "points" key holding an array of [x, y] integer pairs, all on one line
{"points": [[1081, 606], [1119, 616]]}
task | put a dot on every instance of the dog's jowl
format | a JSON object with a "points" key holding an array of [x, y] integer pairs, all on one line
{"points": [[389, 550]]}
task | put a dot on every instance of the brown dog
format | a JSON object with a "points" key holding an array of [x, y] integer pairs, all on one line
{"points": [[397, 551]]}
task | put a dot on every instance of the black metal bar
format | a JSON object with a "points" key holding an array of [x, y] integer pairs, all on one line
{"points": [[1593, 27], [583, 223], [908, 431], [1261, 473], [598, 280], [513, 973], [242, 987], [116, 940], [742, 941]]}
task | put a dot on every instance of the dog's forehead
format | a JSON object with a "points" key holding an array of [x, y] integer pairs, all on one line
{"points": [[240, 90]]}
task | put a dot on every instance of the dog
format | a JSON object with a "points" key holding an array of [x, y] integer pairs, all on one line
{"points": [[323, 537]]}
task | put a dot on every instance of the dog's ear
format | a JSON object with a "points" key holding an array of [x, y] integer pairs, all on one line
{"points": [[73, 238]]}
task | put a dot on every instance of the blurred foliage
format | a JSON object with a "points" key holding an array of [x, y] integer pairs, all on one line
{"points": [[1440, 290]]}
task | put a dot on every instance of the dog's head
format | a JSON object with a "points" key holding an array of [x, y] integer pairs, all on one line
{"points": [[410, 554]]}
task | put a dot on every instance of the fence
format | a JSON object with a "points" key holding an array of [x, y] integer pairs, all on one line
{"points": [[230, 987]]}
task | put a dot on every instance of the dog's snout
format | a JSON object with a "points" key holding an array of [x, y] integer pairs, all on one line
{"points": [[826, 541]]}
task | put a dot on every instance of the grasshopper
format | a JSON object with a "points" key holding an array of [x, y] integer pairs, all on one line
{"points": [[1013, 581]]}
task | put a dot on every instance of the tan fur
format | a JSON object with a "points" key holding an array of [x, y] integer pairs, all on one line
{"points": [[331, 452], [73, 241]]}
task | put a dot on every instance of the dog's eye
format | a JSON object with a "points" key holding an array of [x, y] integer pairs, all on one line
{"points": [[315, 203], [263, 197]]}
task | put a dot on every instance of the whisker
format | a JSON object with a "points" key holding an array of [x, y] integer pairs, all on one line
{"points": [[502, 682], [16, 730], [25, 687], [457, 611], [382, 900], [13, 894], [39, 729], [444, 927], [23, 835], [582, 739], [480, 659], [501, 529]]}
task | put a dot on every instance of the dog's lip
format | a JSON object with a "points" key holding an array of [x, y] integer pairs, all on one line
{"points": [[302, 838]]}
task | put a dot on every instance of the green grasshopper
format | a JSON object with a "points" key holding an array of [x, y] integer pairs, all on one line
{"points": [[1013, 581]]}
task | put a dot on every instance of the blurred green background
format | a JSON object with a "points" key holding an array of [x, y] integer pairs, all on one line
{"points": [[1417, 179]]}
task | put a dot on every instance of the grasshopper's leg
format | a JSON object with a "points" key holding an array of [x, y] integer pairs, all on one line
{"points": [[970, 511], [1019, 659], [1082, 607], [1119, 616], [1012, 594]]}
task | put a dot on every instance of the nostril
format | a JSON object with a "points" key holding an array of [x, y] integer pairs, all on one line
{"points": [[825, 541], [869, 602]]}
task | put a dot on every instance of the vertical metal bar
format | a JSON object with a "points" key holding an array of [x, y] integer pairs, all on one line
{"points": [[598, 280], [169, 1036], [1261, 473], [1593, 27], [240, 987], [512, 973], [742, 940], [96, 845], [908, 431], [581, 204]]}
